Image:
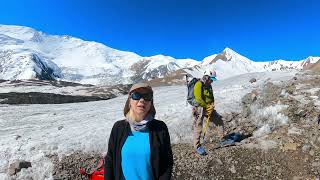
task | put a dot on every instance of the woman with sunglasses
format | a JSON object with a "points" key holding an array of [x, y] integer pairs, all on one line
{"points": [[139, 146]]}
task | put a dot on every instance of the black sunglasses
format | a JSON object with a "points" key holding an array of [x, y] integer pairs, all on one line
{"points": [[137, 96]]}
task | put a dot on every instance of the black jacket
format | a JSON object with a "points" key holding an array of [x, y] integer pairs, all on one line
{"points": [[161, 153]]}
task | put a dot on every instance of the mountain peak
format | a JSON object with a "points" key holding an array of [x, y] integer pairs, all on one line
{"points": [[228, 50], [21, 32], [226, 55], [229, 53]]}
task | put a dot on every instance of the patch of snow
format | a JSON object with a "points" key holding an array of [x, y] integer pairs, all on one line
{"points": [[294, 130], [268, 119], [312, 90], [301, 99], [264, 130], [317, 104], [4, 176]]}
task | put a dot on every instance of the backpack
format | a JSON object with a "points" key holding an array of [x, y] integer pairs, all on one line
{"points": [[190, 97]]}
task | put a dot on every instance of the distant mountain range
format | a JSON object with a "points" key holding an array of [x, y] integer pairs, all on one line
{"points": [[29, 54]]}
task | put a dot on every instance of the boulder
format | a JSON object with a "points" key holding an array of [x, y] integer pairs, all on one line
{"points": [[252, 80], [290, 146], [16, 167]]}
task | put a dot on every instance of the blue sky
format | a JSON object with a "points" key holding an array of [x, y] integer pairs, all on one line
{"points": [[258, 29]]}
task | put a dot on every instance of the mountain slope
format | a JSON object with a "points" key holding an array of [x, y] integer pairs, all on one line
{"points": [[78, 60], [26, 65], [315, 67], [309, 62]]}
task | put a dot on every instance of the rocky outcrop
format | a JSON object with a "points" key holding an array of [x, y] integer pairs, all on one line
{"points": [[56, 92], [45, 98], [16, 167], [47, 72], [253, 80]]}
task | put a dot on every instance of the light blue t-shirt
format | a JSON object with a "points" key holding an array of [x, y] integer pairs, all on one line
{"points": [[136, 157]]}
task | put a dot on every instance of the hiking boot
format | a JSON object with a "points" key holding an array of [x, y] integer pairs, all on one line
{"points": [[201, 151]]}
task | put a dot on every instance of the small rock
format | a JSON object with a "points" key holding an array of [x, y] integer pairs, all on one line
{"points": [[311, 153], [316, 164], [233, 169], [306, 148], [252, 80], [219, 161], [290, 140], [16, 167], [290, 146], [60, 127], [17, 137], [296, 178]]}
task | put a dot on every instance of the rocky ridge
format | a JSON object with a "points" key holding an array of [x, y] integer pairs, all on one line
{"points": [[55, 92]]}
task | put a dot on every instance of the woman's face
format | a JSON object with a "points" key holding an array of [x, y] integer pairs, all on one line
{"points": [[140, 102]]}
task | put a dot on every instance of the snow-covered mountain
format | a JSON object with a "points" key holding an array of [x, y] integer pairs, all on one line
{"points": [[286, 65], [309, 62], [277, 65], [159, 66], [28, 54], [229, 63]]}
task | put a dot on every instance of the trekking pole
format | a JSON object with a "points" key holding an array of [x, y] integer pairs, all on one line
{"points": [[208, 119]]}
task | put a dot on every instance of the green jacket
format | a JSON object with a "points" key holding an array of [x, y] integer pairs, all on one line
{"points": [[203, 94]]}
